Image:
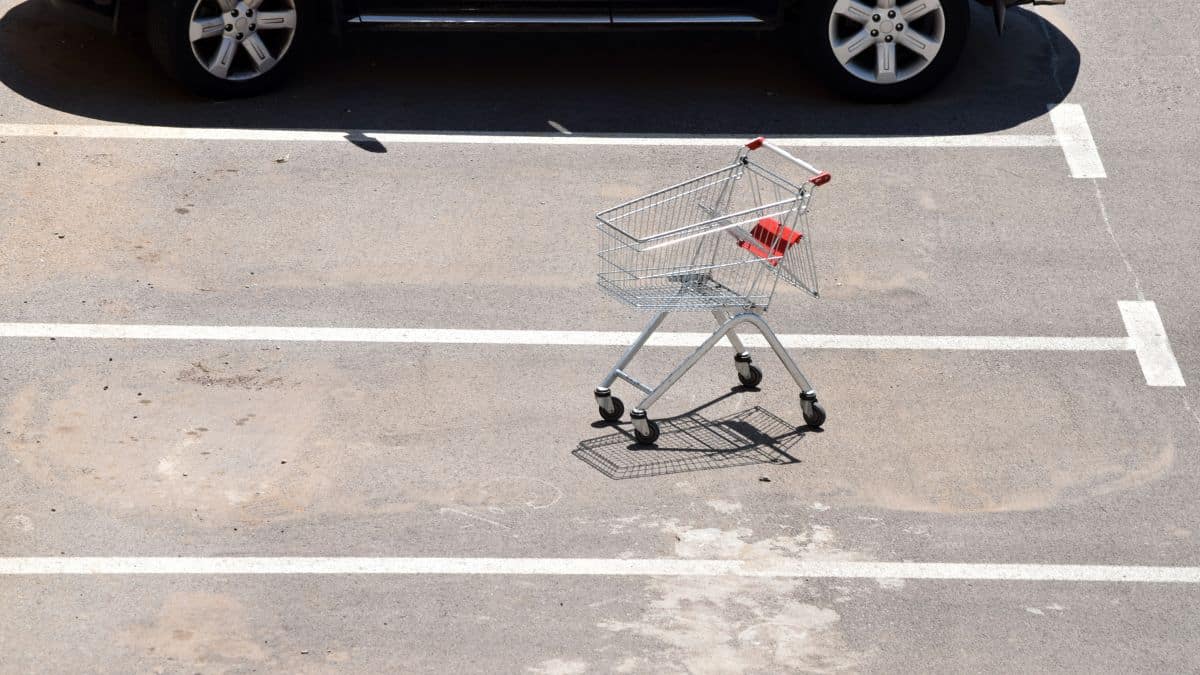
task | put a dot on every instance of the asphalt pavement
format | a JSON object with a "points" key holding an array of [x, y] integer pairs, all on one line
{"points": [[994, 400]]}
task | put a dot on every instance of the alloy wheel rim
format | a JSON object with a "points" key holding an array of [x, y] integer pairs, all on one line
{"points": [[885, 42], [241, 39]]}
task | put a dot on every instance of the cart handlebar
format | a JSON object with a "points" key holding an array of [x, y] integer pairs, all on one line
{"points": [[819, 177]]}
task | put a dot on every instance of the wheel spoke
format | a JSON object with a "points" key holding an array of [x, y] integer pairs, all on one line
{"points": [[885, 62], [917, 9], [206, 28], [853, 9], [227, 5], [853, 46], [257, 49], [252, 4], [885, 4], [223, 59], [919, 44], [275, 20]]}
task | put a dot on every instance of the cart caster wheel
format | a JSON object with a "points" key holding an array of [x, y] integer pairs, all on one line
{"points": [[753, 380], [814, 414], [617, 411], [647, 440]]}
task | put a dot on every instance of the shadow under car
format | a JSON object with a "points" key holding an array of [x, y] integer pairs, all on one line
{"points": [[680, 83]]}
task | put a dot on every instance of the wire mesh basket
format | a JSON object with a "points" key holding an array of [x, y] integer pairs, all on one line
{"points": [[723, 239]]}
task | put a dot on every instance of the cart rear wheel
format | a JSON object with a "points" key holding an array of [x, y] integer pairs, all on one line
{"points": [[814, 414], [754, 379], [617, 411], [651, 438]]}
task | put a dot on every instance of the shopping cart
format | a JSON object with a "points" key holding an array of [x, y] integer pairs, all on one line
{"points": [[718, 243]]}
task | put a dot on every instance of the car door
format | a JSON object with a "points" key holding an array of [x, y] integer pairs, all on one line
{"points": [[694, 13], [481, 13]]}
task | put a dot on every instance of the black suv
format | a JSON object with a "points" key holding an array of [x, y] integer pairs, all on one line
{"points": [[879, 50]]}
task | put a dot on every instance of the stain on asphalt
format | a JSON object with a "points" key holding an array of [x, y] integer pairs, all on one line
{"points": [[220, 441], [184, 455], [197, 628], [740, 625]]}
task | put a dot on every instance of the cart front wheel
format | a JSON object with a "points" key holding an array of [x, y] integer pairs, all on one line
{"points": [[753, 379], [814, 414], [651, 437], [618, 409]]}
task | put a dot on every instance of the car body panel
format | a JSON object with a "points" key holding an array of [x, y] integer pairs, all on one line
{"points": [[125, 15]]}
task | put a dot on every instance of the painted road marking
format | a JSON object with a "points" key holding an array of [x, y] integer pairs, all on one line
{"points": [[599, 567], [1075, 136], [548, 337], [137, 132], [1149, 337]]}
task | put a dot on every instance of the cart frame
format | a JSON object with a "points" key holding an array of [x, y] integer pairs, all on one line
{"points": [[729, 318]]}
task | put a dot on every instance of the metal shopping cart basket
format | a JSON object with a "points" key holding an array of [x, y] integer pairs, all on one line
{"points": [[718, 243]]}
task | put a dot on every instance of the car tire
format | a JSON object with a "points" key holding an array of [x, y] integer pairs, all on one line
{"points": [[849, 48], [237, 58]]}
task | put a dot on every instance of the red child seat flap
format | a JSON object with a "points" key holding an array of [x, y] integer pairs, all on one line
{"points": [[775, 239]]}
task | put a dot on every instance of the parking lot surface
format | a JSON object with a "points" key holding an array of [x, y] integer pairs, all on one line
{"points": [[1006, 344]]}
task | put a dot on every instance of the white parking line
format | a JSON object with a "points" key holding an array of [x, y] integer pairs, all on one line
{"points": [[548, 337], [137, 132], [599, 567], [1071, 133], [1145, 328], [1147, 338], [1075, 136]]}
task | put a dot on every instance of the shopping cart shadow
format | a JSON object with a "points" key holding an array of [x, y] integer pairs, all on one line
{"points": [[693, 442]]}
